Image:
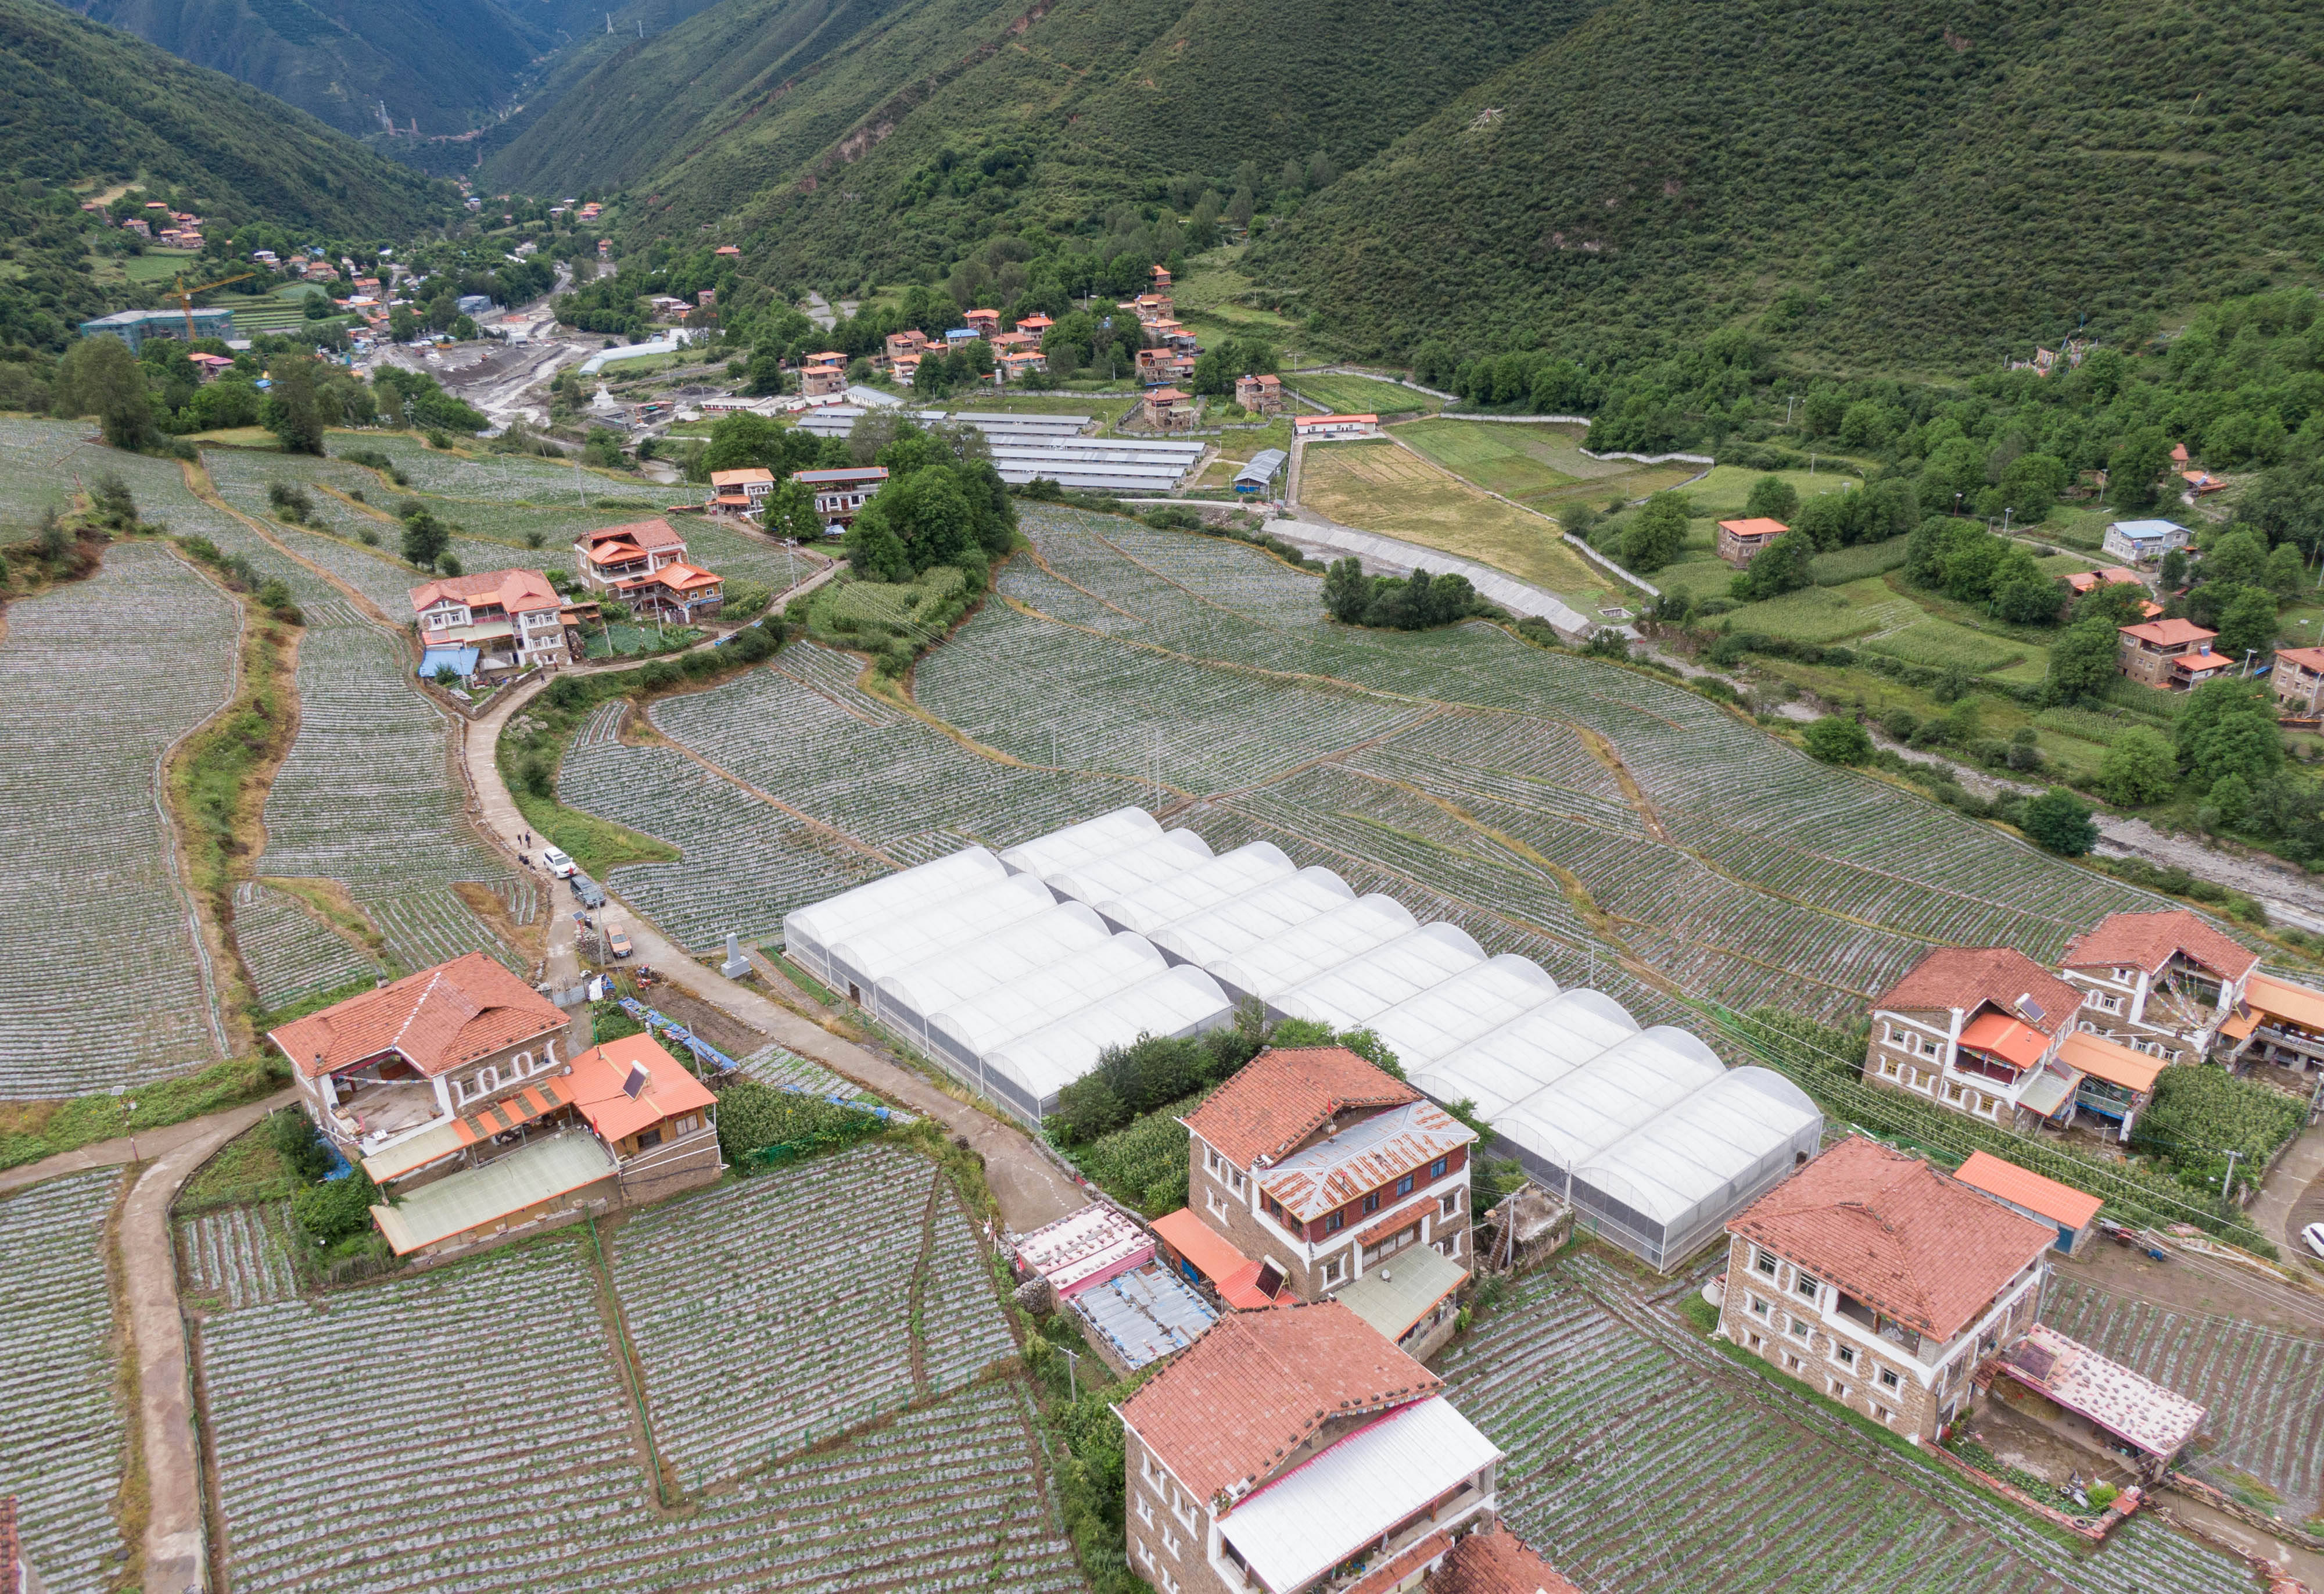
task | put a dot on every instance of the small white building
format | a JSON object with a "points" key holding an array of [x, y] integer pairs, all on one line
{"points": [[2145, 539]]}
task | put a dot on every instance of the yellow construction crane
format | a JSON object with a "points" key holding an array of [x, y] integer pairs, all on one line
{"points": [[185, 295]]}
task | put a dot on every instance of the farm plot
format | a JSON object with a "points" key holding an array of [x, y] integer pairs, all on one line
{"points": [[2264, 1387], [503, 479], [778, 1065], [962, 1329], [102, 677], [1339, 394], [1650, 1461], [949, 1496], [62, 1437], [241, 1256], [288, 952]]}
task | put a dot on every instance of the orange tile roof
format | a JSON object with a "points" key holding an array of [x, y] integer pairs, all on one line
{"points": [[2169, 632], [749, 473], [1165, 395], [679, 576], [1757, 526], [2147, 940], [1970, 977], [600, 1073], [1309, 420], [436, 1019], [656, 533], [2111, 1060], [1230, 1412], [2283, 999], [2307, 658], [1914, 1244], [1497, 1561], [2060, 1203], [514, 591], [1214, 1256], [2019, 1044], [1390, 1575], [1279, 1097]]}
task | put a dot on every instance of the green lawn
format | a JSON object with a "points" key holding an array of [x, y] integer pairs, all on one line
{"points": [[1512, 460], [1942, 645], [1356, 395], [1720, 495], [1825, 614], [161, 266]]}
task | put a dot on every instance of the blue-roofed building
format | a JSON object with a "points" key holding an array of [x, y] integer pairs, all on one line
{"points": [[2145, 539], [133, 327], [1259, 476], [962, 337]]}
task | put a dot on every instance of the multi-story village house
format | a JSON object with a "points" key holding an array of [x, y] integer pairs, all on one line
{"points": [[2168, 655], [513, 618], [1881, 1282], [1978, 1030], [1288, 1448], [2162, 983], [613, 554], [1261, 395], [1317, 1170]]}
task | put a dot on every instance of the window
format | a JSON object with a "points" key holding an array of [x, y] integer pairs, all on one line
{"points": [[1146, 1509], [1404, 1185], [1888, 1379], [1847, 1354], [1765, 1261], [1805, 1285], [1218, 1208], [1838, 1390], [1372, 1202], [1884, 1413], [1436, 1169], [1449, 1204], [1170, 1540], [1758, 1307], [687, 1125], [1210, 1159], [1800, 1327], [1952, 1090], [1274, 1208], [1145, 1465], [1336, 1222], [1888, 1066], [1335, 1269]]}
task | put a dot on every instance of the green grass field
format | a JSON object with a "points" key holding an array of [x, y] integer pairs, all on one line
{"points": [[1843, 565], [1821, 615], [1355, 396], [1513, 460], [161, 266], [1720, 495], [1942, 645]]}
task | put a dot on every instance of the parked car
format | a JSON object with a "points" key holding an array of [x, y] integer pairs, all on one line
{"points": [[591, 895], [2314, 1235], [557, 864], [617, 941]]}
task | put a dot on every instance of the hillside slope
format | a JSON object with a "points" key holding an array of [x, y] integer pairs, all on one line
{"points": [[1925, 183], [443, 63]]}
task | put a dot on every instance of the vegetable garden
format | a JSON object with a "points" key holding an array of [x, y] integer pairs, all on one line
{"points": [[287, 951], [62, 1436], [240, 1255]]}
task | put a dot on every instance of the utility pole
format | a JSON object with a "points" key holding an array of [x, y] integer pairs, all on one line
{"points": [[1789, 400], [2007, 511], [2228, 1184]]}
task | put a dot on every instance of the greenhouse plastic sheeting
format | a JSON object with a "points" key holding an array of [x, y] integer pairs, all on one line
{"points": [[1661, 1192], [906, 1001], [1275, 965], [1152, 908], [1558, 1128], [1349, 996], [893, 944], [1165, 858], [1527, 1054], [1233, 926], [963, 1034], [1472, 1004], [810, 932], [1029, 1072], [1084, 843]]}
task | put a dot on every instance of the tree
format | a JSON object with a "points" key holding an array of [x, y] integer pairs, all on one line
{"points": [[2139, 768], [2230, 798], [874, 551], [1242, 206], [2247, 623], [1346, 590], [2173, 574], [1781, 567], [2238, 559], [1838, 739], [2228, 728], [99, 377], [1772, 498], [1821, 415], [790, 511], [1655, 534], [425, 539], [2082, 661], [2059, 821], [2285, 570], [2134, 466]]}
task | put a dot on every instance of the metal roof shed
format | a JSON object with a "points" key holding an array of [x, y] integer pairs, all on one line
{"points": [[1273, 966], [1471, 1004], [906, 1000], [1260, 474], [894, 943], [1245, 921], [809, 933], [1349, 996], [1156, 906], [1527, 1054], [1557, 1129], [1031, 1070], [1664, 1189]]}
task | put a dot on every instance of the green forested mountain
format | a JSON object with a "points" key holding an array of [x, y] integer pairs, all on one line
{"points": [[1923, 184], [445, 64]]}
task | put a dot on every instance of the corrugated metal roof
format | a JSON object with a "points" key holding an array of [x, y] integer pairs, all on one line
{"points": [[1083, 1248], [2130, 1404], [1401, 1290], [1144, 1315], [475, 1197], [1363, 1158]]}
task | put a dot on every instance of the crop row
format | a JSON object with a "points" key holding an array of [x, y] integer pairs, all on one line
{"points": [[62, 1437], [836, 675], [241, 1255], [100, 678], [962, 1329], [777, 1065], [289, 953], [424, 927]]}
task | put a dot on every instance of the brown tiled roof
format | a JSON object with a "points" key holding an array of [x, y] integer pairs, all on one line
{"points": [[2146, 941], [438, 1019], [1914, 1244], [511, 589], [1497, 1561], [2169, 632], [656, 532], [1969, 977], [1241, 1398], [1279, 1097]]}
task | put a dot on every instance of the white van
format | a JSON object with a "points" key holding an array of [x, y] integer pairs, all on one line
{"points": [[556, 862]]}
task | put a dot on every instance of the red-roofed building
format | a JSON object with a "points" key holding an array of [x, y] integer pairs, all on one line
{"points": [[1294, 1449], [419, 1052], [741, 491], [1495, 1561], [1168, 410], [2163, 982], [1742, 540], [2169, 655], [1261, 395], [613, 554], [2298, 680], [906, 345], [514, 618], [1978, 1030], [1314, 1164], [1160, 367], [652, 1115], [679, 593], [2072, 1212], [1312, 427], [1881, 1282]]}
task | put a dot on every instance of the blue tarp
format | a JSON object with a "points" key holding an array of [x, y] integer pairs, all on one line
{"points": [[461, 659]]}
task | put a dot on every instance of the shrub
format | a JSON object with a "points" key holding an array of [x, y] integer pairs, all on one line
{"points": [[759, 1121], [1838, 739], [336, 1210], [299, 1144], [2200, 1113], [2059, 821]]}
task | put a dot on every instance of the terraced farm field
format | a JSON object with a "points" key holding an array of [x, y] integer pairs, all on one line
{"points": [[102, 676], [949, 1494], [62, 1436], [1650, 1461]]}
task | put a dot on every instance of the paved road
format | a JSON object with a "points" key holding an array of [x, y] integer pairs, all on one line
{"points": [[2293, 1194], [145, 1146]]}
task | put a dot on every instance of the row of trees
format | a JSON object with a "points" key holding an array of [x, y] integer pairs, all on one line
{"points": [[1414, 603]]}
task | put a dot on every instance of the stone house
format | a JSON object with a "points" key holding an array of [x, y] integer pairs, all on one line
{"points": [[613, 554], [1261, 395], [651, 1113], [840, 495], [513, 618], [1882, 1284], [741, 491], [1977, 1031], [2136, 539], [2168, 655], [2298, 680], [2160, 983], [1742, 540]]}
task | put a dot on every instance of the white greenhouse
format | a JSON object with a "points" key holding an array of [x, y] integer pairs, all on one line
{"points": [[1029, 1072], [1521, 1057], [964, 1033], [1472, 1004], [872, 952], [1084, 843], [810, 932], [1150, 909], [1664, 1189], [1586, 1109], [1273, 966], [1243, 921], [1163, 859], [906, 1001], [1349, 995]]}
